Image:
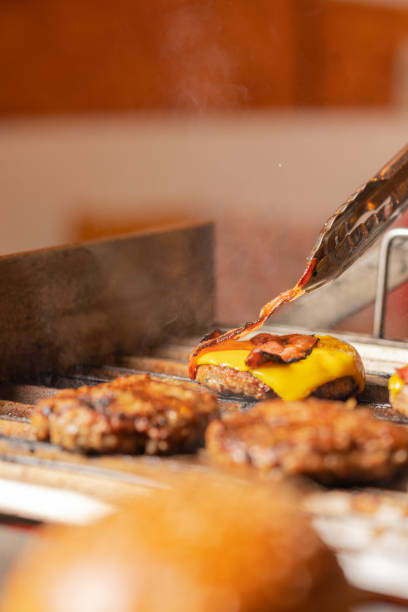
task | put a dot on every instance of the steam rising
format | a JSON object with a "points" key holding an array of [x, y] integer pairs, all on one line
{"points": [[202, 70]]}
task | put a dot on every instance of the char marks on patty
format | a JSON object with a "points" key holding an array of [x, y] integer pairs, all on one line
{"points": [[326, 440], [399, 401], [226, 380], [132, 414]]}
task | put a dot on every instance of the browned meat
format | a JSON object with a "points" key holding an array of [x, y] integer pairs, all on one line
{"points": [[132, 414], [399, 401], [338, 389], [326, 440], [216, 338], [229, 380], [270, 348], [403, 373]]}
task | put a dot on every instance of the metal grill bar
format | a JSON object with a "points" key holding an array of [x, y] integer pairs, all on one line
{"points": [[167, 363], [380, 307], [111, 478]]}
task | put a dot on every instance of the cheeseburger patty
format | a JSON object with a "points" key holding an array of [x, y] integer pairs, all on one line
{"points": [[398, 390], [399, 401], [292, 367], [229, 380], [326, 440], [133, 414]]}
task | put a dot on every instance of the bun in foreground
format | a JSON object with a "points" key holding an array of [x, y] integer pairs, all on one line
{"points": [[208, 544]]}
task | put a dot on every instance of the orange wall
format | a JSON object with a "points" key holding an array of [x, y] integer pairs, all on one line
{"points": [[57, 55], [361, 44], [61, 56]]}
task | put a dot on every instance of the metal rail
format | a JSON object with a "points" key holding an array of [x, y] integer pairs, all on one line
{"points": [[357, 224], [380, 308], [354, 290]]}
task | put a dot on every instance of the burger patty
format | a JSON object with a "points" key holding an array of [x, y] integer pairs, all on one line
{"points": [[326, 440], [229, 380], [399, 401], [132, 414]]}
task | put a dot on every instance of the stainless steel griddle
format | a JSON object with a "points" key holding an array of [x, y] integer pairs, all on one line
{"points": [[88, 313]]}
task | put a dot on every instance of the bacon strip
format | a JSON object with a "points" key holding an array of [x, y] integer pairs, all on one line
{"points": [[266, 312], [403, 373], [262, 338], [281, 349]]}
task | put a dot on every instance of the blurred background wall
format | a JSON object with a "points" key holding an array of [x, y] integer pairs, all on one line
{"points": [[58, 56], [260, 115]]}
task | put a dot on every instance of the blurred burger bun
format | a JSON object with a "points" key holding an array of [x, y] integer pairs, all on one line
{"points": [[206, 545]]}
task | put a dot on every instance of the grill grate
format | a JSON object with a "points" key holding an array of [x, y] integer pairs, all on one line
{"points": [[107, 477], [169, 363], [55, 305], [111, 478]]}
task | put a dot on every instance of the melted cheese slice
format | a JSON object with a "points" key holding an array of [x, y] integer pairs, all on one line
{"points": [[329, 360], [395, 385]]}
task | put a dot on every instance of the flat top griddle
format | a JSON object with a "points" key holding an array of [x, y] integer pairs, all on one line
{"points": [[88, 313]]}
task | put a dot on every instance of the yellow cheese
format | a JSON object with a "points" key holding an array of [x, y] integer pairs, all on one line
{"points": [[395, 385], [329, 360]]}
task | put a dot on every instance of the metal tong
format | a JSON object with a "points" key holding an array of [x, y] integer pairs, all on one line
{"points": [[359, 221]]}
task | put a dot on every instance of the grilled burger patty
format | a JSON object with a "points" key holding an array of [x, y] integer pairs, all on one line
{"points": [[291, 367], [398, 390], [399, 401], [329, 441], [133, 414], [229, 380]]}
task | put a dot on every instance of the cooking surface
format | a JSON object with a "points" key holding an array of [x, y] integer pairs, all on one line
{"points": [[49, 325], [44, 463], [40, 481]]}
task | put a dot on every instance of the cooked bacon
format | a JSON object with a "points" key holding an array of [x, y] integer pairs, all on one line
{"points": [[281, 349], [403, 373], [211, 335], [266, 311], [261, 338]]}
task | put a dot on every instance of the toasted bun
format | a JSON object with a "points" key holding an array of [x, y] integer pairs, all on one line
{"points": [[206, 545]]}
